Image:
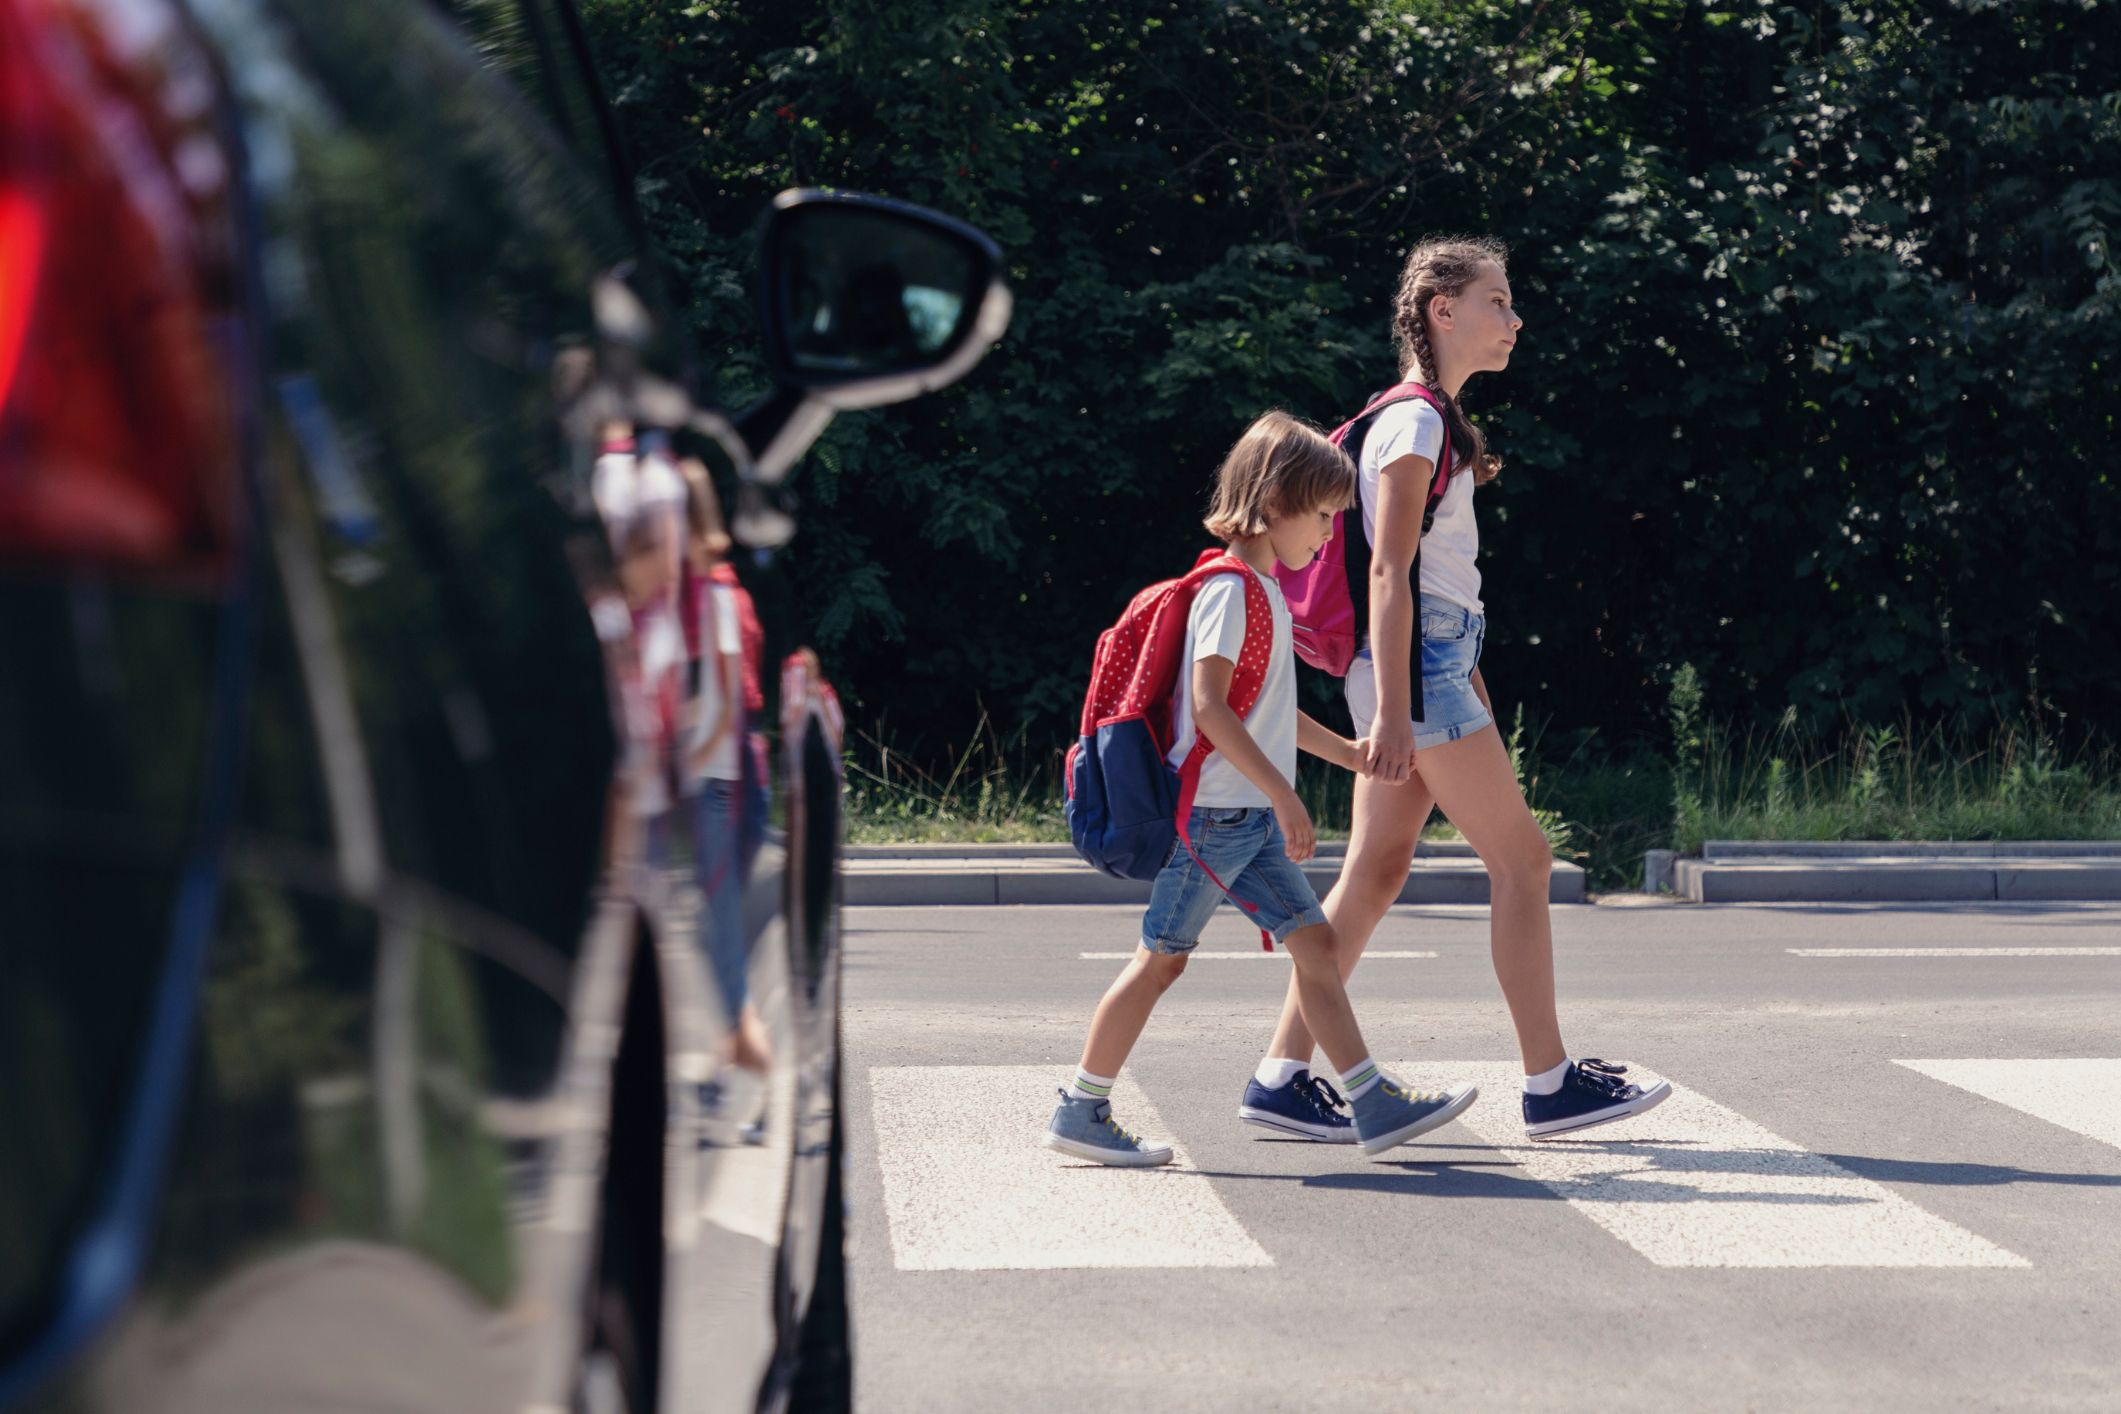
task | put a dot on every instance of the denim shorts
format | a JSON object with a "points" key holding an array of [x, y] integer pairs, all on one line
{"points": [[1451, 635], [1244, 847]]}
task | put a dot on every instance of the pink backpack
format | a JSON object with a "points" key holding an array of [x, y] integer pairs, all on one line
{"points": [[1329, 599]]}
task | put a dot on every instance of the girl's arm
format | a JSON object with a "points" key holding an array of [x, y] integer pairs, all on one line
{"points": [[730, 675], [1402, 489], [1215, 720], [1326, 744]]}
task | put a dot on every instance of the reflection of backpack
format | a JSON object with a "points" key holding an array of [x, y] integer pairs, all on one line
{"points": [[749, 634], [1126, 806], [1329, 599]]}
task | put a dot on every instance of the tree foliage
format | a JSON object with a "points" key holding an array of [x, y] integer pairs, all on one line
{"points": [[1813, 394]]}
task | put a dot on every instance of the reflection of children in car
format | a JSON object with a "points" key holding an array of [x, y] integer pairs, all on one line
{"points": [[721, 766], [654, 692]]}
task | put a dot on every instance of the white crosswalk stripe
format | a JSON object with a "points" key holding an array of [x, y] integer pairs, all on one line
{"points": [[1694, 1184], [967, 1186], [2083, 1096]]}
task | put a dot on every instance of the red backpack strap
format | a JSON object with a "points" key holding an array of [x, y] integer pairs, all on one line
{"points": [[1249, 680]]}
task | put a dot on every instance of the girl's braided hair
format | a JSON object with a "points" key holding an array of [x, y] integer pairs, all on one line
{"points": [[1443, 267]]}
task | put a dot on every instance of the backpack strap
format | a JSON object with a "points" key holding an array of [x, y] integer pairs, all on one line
{"points": [[1356, 548], [1246, 685], [1358, 429]]}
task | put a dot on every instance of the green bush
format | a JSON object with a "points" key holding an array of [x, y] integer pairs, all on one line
{"points": [[1813, 395]]}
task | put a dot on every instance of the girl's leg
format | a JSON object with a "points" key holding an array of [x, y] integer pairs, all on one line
{"points": [[1472, 782], [1321, 988], [1126, 1007], [1387, 823]]}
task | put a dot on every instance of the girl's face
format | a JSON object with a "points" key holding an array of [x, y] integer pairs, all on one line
{"points": [[1479, 323], [1298, 538]]}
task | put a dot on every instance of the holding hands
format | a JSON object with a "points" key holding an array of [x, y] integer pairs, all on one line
{"points": [[1389, 750]]}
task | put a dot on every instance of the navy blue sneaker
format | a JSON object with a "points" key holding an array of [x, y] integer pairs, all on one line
{"points": [[1307, 1107], [1592, 1092]]}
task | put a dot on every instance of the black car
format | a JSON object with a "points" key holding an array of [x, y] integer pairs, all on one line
{"points": [[357, 1047]]}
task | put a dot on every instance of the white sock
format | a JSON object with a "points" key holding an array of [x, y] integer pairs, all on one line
{"points": [[1086, 1086], [1274, 1072], [1360, 1079], [1547, 1081]]}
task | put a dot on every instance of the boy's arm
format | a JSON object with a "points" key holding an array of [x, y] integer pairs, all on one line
{"points": [[1214, 719], [1327, 745]]}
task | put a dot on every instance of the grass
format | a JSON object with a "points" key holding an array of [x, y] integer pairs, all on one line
{"points": [[1897, 783], [1601, 805]]}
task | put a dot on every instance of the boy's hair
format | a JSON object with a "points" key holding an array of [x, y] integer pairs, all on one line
{"points": [[1281, 466], [1444, 266]]}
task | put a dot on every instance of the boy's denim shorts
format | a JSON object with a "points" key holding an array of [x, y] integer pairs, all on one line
{"points": [[1244, 847], [1451, 636]]}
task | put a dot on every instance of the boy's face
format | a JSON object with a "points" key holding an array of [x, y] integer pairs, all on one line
{"points": [[1297, 539]]}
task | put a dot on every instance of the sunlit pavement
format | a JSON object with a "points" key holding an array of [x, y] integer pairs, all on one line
{"points": [[1891, 1177]]}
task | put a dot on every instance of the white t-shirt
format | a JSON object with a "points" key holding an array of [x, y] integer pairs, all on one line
{"points": [[1216, 629], [660, 641], [719, 634], [1448, 551]]}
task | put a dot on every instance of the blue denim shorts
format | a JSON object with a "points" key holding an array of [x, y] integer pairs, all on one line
{"points": [[1451, 636], [1246, 850]]}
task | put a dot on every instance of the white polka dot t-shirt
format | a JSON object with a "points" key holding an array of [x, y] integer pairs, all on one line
{"points": [[1216, 629]]}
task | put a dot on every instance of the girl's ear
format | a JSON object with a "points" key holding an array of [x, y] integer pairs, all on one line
{"points": [[1439, 311]]}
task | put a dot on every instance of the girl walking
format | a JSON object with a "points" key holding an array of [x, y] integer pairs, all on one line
{"points": [[1419, 703]]}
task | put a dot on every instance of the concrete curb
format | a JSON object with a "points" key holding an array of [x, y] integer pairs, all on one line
{"points": [[1751, 871], [893, 879], [1715, 850]]}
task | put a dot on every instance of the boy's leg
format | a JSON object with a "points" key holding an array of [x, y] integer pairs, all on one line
{"points": [[1386, 1115], [1179, 906], [1125, 1009], [1322, 996], [1388, 823]]}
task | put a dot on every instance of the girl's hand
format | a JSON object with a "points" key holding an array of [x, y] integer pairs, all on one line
{"points": [[1358, 759], [1391, 750], [1296, 827]]}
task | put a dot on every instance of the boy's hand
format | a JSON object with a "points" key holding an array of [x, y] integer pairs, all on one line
{"points": [[1296, 828], [1359, 757]]}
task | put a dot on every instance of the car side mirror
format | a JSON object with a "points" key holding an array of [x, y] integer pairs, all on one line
{"points": [[864, 301]]}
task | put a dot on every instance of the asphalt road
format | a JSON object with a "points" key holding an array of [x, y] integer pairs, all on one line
{"points": [[1886, 1182]]}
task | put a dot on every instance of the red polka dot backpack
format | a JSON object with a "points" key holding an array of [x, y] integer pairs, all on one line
{"points": [[1126, 806]]}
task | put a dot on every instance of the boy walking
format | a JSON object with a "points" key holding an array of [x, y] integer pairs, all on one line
{"points": [[1275, 497]]}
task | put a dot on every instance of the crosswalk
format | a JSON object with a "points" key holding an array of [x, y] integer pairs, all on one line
{"points": [[967, 1186]]}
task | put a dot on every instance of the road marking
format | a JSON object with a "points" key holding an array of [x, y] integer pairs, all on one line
{"points": [[967, 1186], [1254, 953], [2083, 1096], [1693, 1184], [1953, 952]]}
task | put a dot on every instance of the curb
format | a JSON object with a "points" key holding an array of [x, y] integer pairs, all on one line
{"points": [[1857, 871], [891, 879]]}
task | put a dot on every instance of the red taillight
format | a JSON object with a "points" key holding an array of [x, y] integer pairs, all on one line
{"points": [[117, 441]]}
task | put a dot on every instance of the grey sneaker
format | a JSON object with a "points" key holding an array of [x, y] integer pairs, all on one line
{"points": [[1086, 1129], [1387, 1116]]}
